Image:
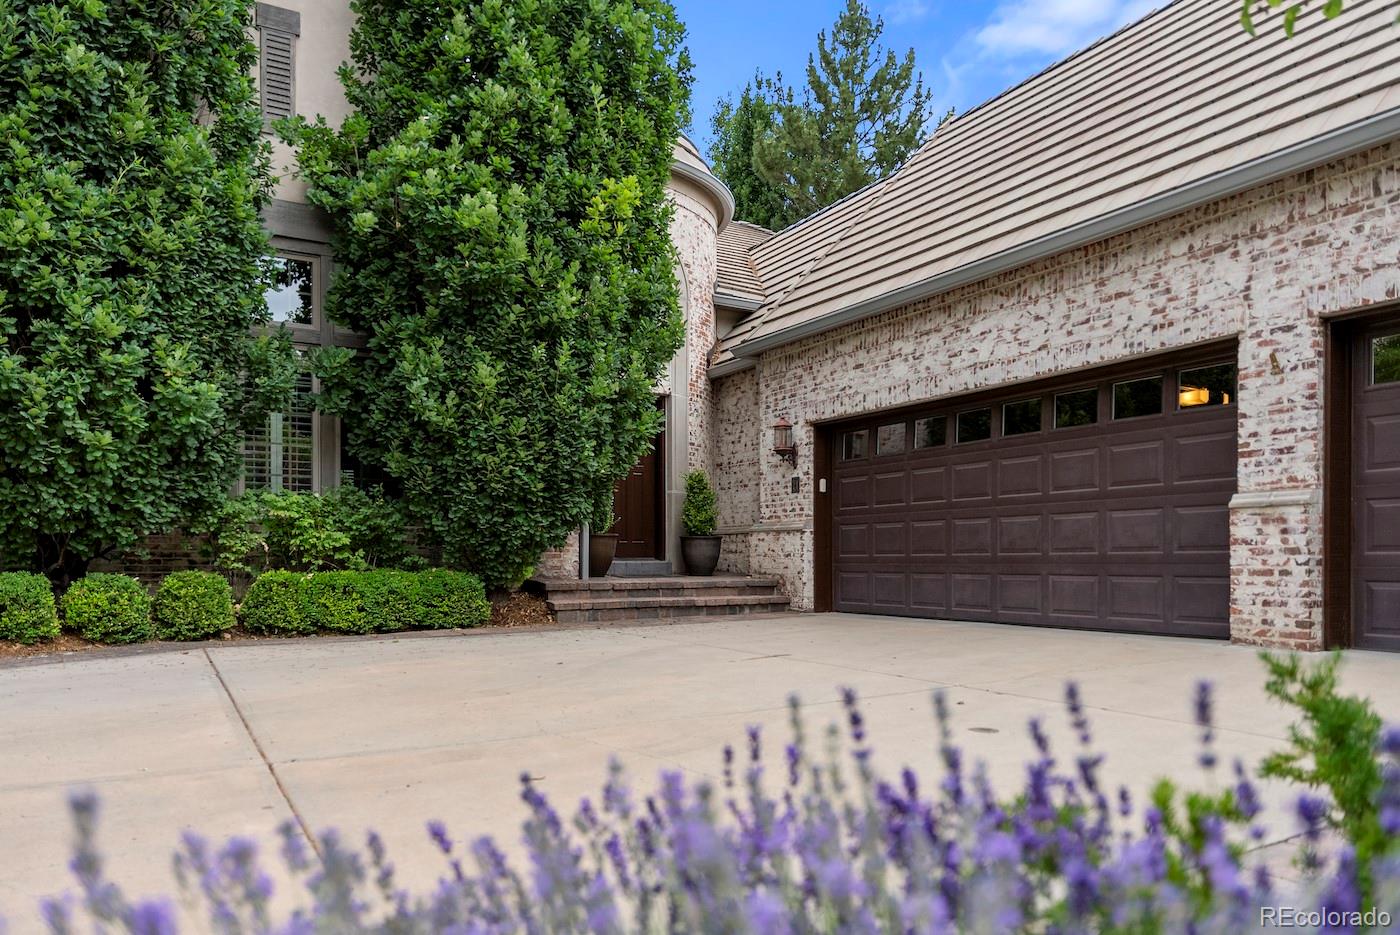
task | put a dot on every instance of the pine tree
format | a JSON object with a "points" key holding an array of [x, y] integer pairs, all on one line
{"points": [[862, 112], [736, 126]]}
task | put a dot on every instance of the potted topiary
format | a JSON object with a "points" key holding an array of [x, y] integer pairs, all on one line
{"points": [[699, 545], [602, 544]]}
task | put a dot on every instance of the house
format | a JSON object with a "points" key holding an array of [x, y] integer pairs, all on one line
{"points": [[1118, 349]]}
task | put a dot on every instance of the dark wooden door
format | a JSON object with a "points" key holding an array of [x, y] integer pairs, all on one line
{"points": [[638, 502], [1098, 502], [1375, 505]]}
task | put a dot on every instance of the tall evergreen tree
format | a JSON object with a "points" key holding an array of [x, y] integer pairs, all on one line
{"points": [[862, 111], [502, 239], [736, 126], [131, 271]]}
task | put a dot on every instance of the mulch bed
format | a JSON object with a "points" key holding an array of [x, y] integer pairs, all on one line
{"points": [[518, 609], [509, 610]]}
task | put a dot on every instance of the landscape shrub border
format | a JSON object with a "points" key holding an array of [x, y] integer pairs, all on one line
{"points": [[379, 601], [196, 605], [108, 608], [192, 605], [28, 611]]}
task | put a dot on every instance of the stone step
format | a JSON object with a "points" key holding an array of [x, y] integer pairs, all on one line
{"points": [[646, 588], [620, 609], [679, 582], [639, 568]]}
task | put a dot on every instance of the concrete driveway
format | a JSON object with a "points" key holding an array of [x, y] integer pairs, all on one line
{"points": [[387, 733]]}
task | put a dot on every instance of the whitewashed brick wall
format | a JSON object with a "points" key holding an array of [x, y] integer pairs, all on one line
{"points": [[1265, 266]]}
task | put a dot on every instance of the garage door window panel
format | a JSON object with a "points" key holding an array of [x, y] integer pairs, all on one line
{"points": [[1135, 399], [890, 440], [1385, 360], [975, 425], [1206, 386], [931, 432], [854, 445], [1021, 417], [1077, 408]]}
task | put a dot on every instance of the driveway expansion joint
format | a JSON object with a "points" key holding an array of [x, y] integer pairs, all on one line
{"points": [[262, 754]]}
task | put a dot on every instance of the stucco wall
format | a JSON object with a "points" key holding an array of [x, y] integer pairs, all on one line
{"points": [[1266, 266]]}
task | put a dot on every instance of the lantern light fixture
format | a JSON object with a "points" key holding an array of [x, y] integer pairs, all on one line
{"points": [[783, 445]]}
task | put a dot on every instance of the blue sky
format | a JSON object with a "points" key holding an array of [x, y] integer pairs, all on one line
{"points": [[968, 51]]}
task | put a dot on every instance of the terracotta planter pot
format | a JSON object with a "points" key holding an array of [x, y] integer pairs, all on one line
{"points": [[701, 554], [601, 549]]}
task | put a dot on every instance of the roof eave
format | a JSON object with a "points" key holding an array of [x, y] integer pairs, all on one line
{"points": [[724, 198], [741, 302], [1354, 138], [731, 366]]}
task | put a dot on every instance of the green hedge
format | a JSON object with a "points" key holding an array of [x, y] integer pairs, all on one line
{"points": [[276, 603], [192, 605], [108, 609], [27, 609], [381, 601]]}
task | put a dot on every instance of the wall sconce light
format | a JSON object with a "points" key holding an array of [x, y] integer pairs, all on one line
{"points": [[783, 445]]}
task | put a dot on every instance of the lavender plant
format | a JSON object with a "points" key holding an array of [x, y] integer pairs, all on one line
{"points": [[812, 840]]}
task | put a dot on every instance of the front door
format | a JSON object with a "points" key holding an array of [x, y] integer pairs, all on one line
{"points": [[1375, 503], [637, 501]]}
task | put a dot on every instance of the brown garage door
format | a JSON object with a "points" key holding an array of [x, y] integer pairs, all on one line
{"points": [[1376, 488], [1098, 502]]}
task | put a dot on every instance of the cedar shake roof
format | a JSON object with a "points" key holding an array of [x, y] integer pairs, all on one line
{"points": [[1180, 108]]}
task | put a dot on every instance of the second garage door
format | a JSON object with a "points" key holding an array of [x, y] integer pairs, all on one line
{"points": [[1100, 502]]}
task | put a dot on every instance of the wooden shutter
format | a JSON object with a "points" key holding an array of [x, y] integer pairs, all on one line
{"points": [[277, 33]]}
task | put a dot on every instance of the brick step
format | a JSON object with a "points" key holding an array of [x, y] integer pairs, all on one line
{"points": [[650, 583], [612, 610], [579, 594]]}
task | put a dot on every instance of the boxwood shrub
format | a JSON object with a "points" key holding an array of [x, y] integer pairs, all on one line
{"points": [[192, 605], [108, 608], [28, 613], [381, 601], [275, 603]]}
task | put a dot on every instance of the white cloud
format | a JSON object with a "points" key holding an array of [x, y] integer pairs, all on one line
{"points": [[906, 11], [1055, 27]]}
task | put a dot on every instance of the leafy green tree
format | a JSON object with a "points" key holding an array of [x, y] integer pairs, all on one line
{"points": [[502, 239], [736, 126], [1252, 9], [861, 113], [131, 178]]}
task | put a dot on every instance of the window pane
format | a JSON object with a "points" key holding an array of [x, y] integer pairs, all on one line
{"points": [[1080, 407], [974, 426], [1137, 398], [278, 455], [1206, 386], [853, 445], [290, 298], [1020, 417], [931, 432], [889, 440], [1385, 359]]}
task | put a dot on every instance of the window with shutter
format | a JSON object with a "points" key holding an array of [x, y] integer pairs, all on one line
{"points": [[280, 454], [277, 32]]}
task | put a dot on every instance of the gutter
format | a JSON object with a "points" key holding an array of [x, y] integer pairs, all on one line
{"points": [[740, 302], [713, 186], [1372, 131], [731, 366]]}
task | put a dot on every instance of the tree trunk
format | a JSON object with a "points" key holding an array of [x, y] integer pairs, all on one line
{"points": [[60, 564]]}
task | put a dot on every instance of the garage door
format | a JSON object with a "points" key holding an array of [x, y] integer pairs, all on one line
{"points": [[1376, 488], [1099, 502]]}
